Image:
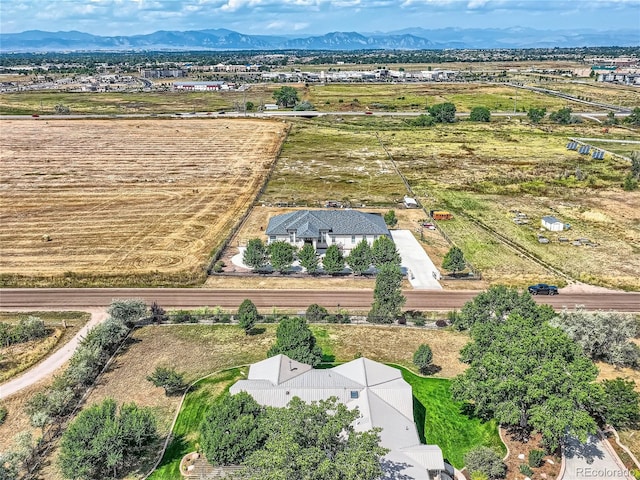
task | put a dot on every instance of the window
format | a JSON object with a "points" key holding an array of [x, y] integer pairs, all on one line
{"points": [[272, 238], [292, 237], [355, 394], [353, 239], [333, 239], [323, 237]]}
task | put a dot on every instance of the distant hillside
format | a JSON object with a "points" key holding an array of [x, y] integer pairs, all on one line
{"points": [[407, 39]]}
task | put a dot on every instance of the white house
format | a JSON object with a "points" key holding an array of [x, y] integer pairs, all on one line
{"points": [[323, 228], [552, 224], [383, 398]]}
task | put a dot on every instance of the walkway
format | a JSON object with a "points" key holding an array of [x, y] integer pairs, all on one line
{"points": [[421, 271], [594, 460], [52, 363]]}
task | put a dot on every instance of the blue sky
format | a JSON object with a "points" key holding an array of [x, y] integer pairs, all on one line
{"points": [[128, 17]]}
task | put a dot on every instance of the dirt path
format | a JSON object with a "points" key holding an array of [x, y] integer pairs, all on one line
{"points": [[55, 361]]}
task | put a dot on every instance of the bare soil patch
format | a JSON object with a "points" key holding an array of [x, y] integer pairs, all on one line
{"points": [[148, 199]]}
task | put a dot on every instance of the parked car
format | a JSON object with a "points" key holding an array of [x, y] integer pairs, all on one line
{"points": [[429, 226], [543, 289]]}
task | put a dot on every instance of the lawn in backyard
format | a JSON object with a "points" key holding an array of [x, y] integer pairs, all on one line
{"points": [[200, 398], [440, 420]]}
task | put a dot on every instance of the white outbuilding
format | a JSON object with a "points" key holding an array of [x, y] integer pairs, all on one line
{"points": [[552, 224]]}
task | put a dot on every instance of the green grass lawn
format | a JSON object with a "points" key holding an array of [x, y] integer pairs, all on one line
{"points": [[440, 421], [200, 398]]}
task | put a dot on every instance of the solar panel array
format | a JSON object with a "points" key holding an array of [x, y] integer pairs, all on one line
{"points": [[584, 150], [598, 154], [572, 146]]}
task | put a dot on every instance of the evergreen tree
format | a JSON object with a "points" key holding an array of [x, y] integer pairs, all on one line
{"points": [[308, 258], [247, 315], [295, 340], [387, 295], [255, 255], [359, 260], [384, 251], [333, 261], [281, 255]]}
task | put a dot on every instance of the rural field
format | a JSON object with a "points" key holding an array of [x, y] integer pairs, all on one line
{"points": [[125, 202], [484, 174]]}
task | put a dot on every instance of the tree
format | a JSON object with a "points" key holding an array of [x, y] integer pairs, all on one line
{"points": [[282, 255], [535, 115], [303, 106], [100, 443], [480, 114], [384, 251], [247, 315], [562, 116], [359, 259], [169, 379], [315, 441], [634, 117], [529, 375], [486, 461], [255, 255], [387, 295], [295, 340], [231, 430], [158, 314], [286, 96], [605, 336], [390, 218], [128, 311], [496, 304], [315, 313], [249, 106], [443, 112], [630, 183], [308, 258], [333, 261], [423, 358], [621, 403], [454, 260]]}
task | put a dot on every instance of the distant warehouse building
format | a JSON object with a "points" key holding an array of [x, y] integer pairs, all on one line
{"points": [[552, 224], [200, 86]]}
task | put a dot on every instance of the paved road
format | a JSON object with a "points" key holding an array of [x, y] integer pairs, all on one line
{"points": [[78, 298], [55, 361], [594, 460]]}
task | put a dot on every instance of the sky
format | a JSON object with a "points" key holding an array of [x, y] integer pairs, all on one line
{"points": [[295, 17]]}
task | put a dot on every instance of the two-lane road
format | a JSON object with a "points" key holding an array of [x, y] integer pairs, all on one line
{"points": [[70, 298]]}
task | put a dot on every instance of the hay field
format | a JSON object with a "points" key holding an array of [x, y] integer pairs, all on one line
{"points": [[125, 201]]}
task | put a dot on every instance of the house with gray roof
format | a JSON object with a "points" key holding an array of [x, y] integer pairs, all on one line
{"points": [[323, 228], [552, 224], [383, 398]]}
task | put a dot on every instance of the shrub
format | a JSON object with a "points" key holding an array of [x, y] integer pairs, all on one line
{"points": [[423, 358], [169, 379], [419, 322], [525, 470], [402, 321], [218, 266], [316, 313], [535, 458], [442, 323], [485, 460], [182, 316], [3, 414]]}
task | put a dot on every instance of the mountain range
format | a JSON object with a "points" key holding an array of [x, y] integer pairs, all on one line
{"points": [[407, 39]]}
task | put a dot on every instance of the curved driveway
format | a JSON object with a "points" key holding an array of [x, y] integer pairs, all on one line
{"points": [[594, 460], [53, 362]]}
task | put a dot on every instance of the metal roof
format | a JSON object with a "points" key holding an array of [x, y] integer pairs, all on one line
{"points": [[383, 398], [550, 219], [338, 222]]}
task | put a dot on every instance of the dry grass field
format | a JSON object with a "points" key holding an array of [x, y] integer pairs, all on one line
{"points": [[137, 202]]}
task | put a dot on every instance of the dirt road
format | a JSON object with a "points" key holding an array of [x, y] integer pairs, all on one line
{"points": [[55, 361], [83, 298]]}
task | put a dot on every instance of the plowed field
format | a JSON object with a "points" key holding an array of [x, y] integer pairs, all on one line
{"points": [[125, 201]]}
